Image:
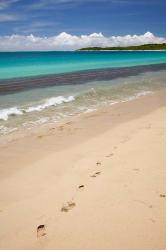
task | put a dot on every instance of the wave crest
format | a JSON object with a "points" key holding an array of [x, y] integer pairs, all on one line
{"points": [[53, 101], [5, 113]]}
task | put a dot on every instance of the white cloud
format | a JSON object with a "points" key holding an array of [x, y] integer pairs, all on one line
{"points": [[65, 41], [48, 4], [8, 17], [4, 4], [35, 27], [54, 3]]}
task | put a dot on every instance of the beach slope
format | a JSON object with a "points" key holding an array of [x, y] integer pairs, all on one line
{"points": [[97, 182]]}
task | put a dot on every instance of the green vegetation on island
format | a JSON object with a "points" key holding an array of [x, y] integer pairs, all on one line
{"points": [[139, 47]]}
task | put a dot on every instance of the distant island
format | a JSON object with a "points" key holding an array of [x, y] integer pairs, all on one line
{"points": [[139, 47]]}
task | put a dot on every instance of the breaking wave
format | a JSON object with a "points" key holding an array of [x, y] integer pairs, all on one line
{"points": [[5, 113], [53, 101]]}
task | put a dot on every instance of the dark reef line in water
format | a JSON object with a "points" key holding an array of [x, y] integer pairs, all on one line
{"points": [[79, 77]]}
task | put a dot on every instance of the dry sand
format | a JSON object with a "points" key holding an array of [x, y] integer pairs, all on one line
{"points": [[97, 182]]}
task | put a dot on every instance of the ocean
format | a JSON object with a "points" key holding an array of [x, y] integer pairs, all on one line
{"points": [[46, 87]]}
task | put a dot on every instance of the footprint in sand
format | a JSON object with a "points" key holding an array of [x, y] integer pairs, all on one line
{"points": [[52, 128], [152, 220], [148, 126], [163, 195], [81, 187], [109, 155], [41, 231], [68, 123], [40, 136], [61, 128], [68, 206], [125, 139], [95, 175], [136, 169]]}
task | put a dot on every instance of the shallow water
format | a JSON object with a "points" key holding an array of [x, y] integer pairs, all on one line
{"points": [[23, 64], [33, 107], [37, 106]]}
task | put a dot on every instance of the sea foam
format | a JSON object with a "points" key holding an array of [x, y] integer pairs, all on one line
{"points": [[5, 130], [5, 113], [53, 101]]}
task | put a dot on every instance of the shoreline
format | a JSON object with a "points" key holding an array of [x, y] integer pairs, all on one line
{"points": [[58, 128], [105, 164], [124, 50]]}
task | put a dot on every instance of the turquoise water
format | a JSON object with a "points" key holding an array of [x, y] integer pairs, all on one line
{"points": [[50, 104], [23, 64]]}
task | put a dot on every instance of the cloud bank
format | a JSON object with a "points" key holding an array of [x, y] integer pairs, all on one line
{"points": [[65, 41]]}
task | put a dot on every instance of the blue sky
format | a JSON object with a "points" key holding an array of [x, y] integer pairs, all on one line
{"points": [[77, 17]]}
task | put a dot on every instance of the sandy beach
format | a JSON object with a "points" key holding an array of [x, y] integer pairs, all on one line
{"points": [[94, 182]]}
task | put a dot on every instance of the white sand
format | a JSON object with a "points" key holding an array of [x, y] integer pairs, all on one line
{"points": [[122, 207]]}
